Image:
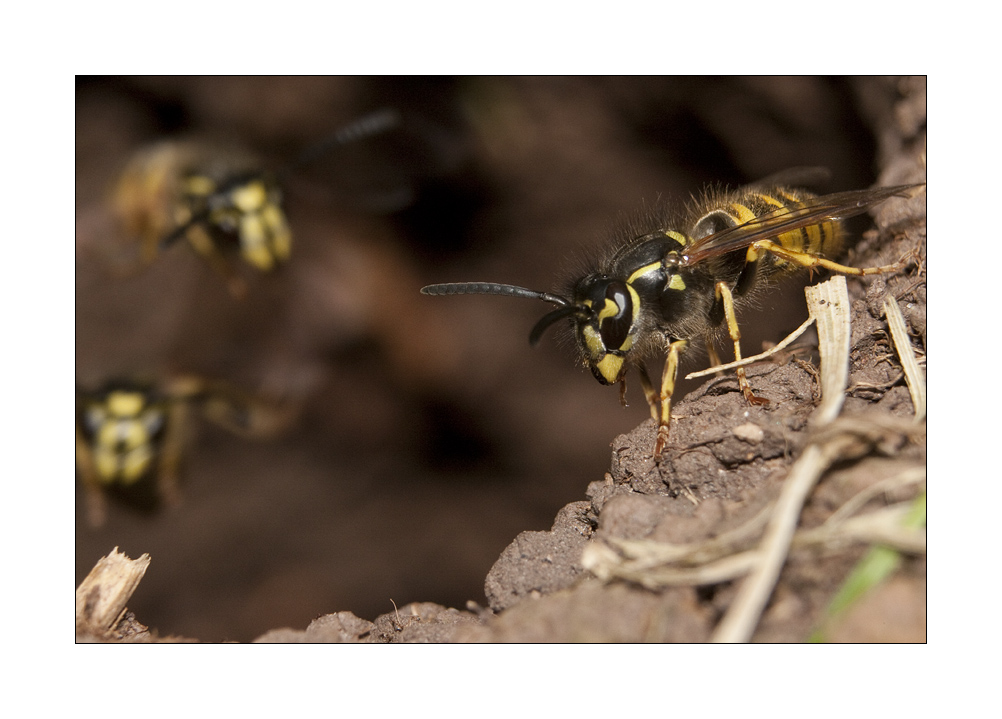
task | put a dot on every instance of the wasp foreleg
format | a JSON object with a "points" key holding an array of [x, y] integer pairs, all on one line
{"points": [[660, 402]]}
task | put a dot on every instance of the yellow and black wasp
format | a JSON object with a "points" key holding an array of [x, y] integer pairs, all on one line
{"points": [[130, 435], [219, 199], [660, 291]]}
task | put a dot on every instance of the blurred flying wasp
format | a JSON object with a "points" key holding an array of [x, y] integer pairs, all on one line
{"points": [[219, 199], [130, 435], [660, 291]]}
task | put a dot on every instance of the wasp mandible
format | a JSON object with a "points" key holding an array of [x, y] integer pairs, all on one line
{"points": [[658, 292]]}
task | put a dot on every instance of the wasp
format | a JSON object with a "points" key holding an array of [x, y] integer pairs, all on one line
{"points": [[130, 435], [660, 291], [219, 199]]}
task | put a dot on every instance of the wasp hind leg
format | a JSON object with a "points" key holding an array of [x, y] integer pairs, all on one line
{"points": [[660, 402], [806, 259], [726, 300]]}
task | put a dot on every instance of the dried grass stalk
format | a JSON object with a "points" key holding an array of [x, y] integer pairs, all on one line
{"points": [[103, 594], [913, 373]]}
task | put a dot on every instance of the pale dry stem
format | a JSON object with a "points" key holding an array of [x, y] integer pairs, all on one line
{"points": [[103, 594], [913, 374]]}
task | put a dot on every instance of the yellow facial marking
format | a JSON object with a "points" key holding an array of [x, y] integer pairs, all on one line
{"points": [[593, 342], [609, 309], [610, 368], [125, 404], [250, 197]]}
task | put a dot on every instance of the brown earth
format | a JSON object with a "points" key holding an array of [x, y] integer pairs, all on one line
{"points": [[430, 435]]}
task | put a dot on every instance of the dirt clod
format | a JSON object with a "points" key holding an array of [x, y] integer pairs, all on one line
{"points": [[540, 562]]}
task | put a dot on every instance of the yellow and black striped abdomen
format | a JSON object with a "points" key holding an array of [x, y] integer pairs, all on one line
{"points": [[124, 431], [822, 238]]}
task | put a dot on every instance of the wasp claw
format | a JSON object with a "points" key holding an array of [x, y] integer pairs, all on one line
{"points": [[662, 441], [754, 399]]}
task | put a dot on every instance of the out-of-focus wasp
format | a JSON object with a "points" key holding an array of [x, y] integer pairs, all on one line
{"points": [[130, 435], [659, 291], [219, 199]]}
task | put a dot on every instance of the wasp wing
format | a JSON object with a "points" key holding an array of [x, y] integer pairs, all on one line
{"points": [[806, 177], [838, 206]]}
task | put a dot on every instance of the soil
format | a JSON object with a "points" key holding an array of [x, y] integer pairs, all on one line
{"points": [[442, 477]]}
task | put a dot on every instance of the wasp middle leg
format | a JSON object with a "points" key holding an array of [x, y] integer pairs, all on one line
{"points": [[724, 297]]}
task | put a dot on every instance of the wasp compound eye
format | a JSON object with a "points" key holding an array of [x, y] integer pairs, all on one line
{"points": [[606, 336], [612, 312], [615, 317]]}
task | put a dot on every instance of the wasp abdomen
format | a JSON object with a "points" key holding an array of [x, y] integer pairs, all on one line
{"points": [[821, 238]]}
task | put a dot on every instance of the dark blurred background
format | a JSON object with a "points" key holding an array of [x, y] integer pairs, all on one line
{"points": [[430, 432]]}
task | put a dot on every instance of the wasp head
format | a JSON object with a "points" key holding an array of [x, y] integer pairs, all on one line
{"points": [[604, 311], [605, 315]]}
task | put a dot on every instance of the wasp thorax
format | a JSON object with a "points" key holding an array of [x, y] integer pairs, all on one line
{"points": [[606, 335]]}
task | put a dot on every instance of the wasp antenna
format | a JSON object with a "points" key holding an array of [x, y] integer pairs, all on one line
{"points": [[492, 288], [366, 126], [548, 319]]}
